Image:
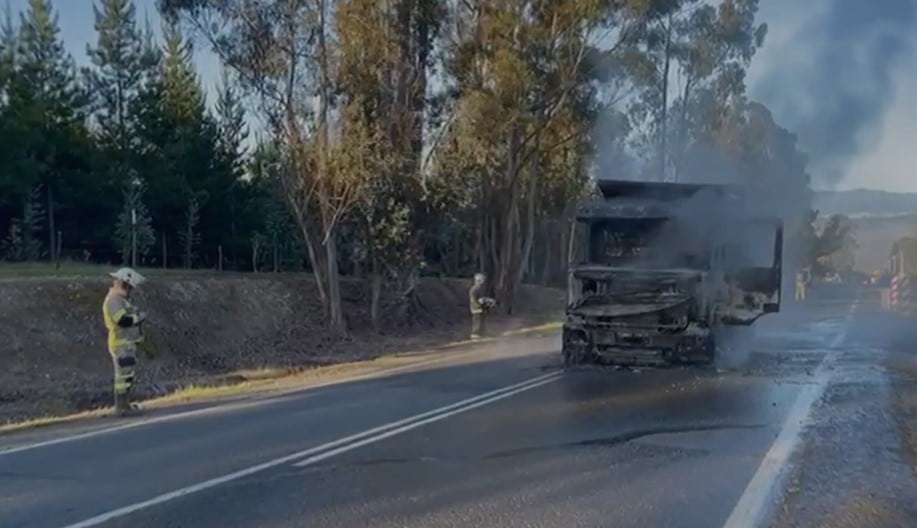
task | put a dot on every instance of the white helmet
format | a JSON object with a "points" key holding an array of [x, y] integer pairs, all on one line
{"points": [[479, 278], [129, 276]]}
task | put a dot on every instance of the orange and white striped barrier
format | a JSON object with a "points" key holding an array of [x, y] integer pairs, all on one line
{"points": [[901, 297]]}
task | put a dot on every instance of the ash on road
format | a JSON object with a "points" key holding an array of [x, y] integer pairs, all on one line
{"points": [[502, 437]]}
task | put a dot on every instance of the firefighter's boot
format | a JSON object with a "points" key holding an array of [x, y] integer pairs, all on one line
{"points": [[123, 406]]}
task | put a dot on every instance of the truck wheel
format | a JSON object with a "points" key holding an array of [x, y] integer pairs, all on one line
{"points": [[710, 349], [573, 356]]}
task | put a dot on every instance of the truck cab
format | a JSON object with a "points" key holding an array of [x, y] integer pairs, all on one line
{"points": [[657, 268]]}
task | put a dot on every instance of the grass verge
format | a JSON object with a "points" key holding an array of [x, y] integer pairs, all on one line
{"points": [[905, 388], [251, 382], [71, 269]]}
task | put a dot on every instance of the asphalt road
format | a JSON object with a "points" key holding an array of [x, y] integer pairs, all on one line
{"points": [[497, 437]]}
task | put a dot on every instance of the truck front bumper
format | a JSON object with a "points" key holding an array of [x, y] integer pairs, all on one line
{"points": [[635, 346]]}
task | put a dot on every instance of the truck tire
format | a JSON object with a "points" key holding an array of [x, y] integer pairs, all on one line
{"points": [[574, 356], [710, 350]]}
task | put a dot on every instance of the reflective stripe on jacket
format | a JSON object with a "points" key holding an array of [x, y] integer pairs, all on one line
{"points": [[115, 307], [474, 300]]}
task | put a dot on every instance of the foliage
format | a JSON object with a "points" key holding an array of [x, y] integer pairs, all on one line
{"points": [[388, 138], [134, 229], [22, 243], [834, 236]]}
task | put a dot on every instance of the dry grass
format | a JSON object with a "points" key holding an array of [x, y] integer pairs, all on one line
{"points": [[863, 510], [87, 270], [246, 381], [46, 421], [254, 381], [905, 389], [29, 270]]}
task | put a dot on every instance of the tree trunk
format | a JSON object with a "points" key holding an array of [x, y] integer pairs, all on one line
{"points": [[275, 254], [679, 146], [477, 258], [52, 230], [189, 233], [506, 262], [529, 240], [548, 254], [316, 259], [335, 307], [664, 119], [376, 296], [233, 262], [60, 245], [571, 244], [255, 250]]}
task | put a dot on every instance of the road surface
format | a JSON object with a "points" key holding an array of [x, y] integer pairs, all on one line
{"points": [[502, 436]]}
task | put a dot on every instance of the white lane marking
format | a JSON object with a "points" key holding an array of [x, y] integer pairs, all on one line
{"points": [[323, 456], [752, 505], [335, 447], [227, 407]]}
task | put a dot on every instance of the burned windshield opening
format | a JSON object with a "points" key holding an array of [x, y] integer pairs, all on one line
{"points": [[652, 243]]}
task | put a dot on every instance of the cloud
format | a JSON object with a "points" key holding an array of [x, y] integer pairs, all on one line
{"points": [[837, 72]]}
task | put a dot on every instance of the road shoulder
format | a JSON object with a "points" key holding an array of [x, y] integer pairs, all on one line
{"points": [[228, 396], [853, 470]]}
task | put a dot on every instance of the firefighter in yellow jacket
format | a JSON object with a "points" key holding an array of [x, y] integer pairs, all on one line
{"points": [[479, 305], [803, 277], [124, 324]]}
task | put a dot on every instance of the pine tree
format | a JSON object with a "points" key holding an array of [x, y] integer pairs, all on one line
{"points": [[190, 237], [9, 138], [178, 142], [233, 131], [230, 159], [9, 36], [184, 97], [119, 62], [47, 74], [49, 105], [146, 109], [135, 226], [23, 243]]}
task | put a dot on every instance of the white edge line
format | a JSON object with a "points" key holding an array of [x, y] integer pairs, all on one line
{"points": [[337, 446], [752, 505], [226, 407]]}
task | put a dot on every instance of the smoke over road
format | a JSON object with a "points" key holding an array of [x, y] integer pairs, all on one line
{"points": [[830, 70]]}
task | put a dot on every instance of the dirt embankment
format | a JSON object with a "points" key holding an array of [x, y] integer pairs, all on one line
{"points": [[52, 344]]}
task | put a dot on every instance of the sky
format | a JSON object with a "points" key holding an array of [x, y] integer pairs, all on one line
{"points": [[839, 73], [76, 21]]}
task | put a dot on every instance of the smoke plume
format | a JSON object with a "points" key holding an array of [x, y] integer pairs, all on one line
{"points": [[829, 71]]}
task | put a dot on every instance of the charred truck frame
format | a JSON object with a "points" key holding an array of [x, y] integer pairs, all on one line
{"points": [[658, 270]]}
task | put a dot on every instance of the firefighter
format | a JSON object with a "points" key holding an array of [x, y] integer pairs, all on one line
{"points": [[479, 305], [124, 324], [801, 282]]}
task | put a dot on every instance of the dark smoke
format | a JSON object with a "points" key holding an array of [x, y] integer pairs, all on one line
{"points": [[851, 51]]}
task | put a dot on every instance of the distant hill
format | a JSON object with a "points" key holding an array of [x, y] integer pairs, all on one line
{"points": [[880, 218], [865, 202]]}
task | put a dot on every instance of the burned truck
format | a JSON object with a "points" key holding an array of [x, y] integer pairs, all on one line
{"points": [[659, 271]]}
